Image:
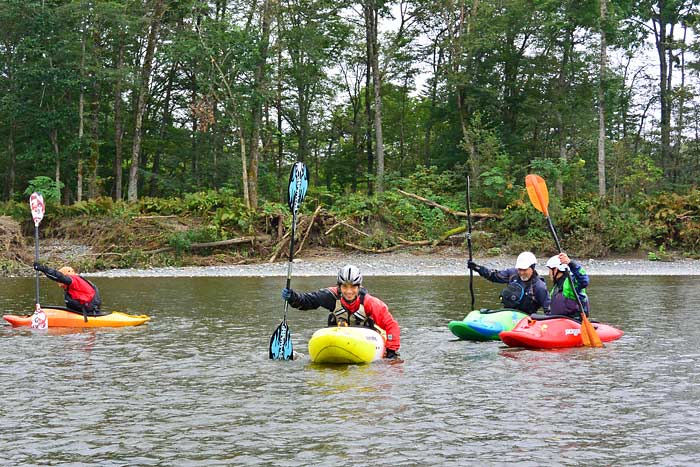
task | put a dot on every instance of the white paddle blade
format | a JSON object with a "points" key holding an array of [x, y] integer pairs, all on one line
{"points": [[39, 319], [36, 204]]}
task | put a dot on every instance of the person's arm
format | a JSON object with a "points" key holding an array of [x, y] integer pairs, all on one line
{"points": [[53, 274], [379, 312], [582, 279], [311, 300], [493, 275], [542, 294]]}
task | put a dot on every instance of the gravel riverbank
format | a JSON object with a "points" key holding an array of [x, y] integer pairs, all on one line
{"points": [[443, 263]]}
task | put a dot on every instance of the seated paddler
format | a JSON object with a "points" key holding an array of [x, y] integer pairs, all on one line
{"points": [[350, 304], [81, 295]]}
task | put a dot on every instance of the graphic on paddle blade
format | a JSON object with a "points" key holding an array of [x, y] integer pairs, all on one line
{"points": [[281, 343], [298, 184], [36, 205]]}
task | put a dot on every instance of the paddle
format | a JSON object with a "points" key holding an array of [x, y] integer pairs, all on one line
{"points": [[539, 196], [36, 205], [281, 340], [469, 242]]}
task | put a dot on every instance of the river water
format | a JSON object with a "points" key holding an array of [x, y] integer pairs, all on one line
{"points": [[195, 386]]}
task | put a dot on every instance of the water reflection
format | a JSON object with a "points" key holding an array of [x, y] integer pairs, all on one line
{"points": [[195, 386]]}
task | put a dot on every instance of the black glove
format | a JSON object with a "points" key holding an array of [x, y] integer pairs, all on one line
{"points": [[391, 354], [39, 267], [472, 265]]}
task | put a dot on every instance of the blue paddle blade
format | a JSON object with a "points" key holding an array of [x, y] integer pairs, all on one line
{"points": [[298, 183], [281, 343]]}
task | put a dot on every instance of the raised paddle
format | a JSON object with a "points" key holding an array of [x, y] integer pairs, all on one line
{"points": [[539, 196], [281, 340], [36, 205], [469, 242]]}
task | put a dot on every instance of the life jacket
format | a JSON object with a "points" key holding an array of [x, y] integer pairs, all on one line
{"points": [[341, 315], [82, 295], [520, 296], [564, 298]]}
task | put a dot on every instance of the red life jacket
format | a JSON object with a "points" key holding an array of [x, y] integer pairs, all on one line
{"points": [[80, 290]]}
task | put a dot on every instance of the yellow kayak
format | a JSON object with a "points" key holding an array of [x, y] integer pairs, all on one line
{"points": [[344, 344], [62, 317]]}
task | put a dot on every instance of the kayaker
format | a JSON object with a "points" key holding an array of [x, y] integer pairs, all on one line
{"points": [[526, 290], [563, 300], [81, 295], [350, 303]]}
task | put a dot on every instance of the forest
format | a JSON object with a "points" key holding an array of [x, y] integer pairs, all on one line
{"points": [[141, 105]]}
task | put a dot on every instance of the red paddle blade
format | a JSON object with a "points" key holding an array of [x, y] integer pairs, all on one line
{"points": [[589, 335], [537, 191], [36, 204]]}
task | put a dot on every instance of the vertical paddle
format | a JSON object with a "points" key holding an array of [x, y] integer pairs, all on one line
{"points": [[281, 340], [469, 242], [539, 197], [36, 205]]}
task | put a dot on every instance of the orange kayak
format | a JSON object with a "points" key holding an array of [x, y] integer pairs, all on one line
{"points": [[62, 317]]}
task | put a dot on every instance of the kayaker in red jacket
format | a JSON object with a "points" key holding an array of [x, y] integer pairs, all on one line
{"points": [[80, 295], [350, 303]]}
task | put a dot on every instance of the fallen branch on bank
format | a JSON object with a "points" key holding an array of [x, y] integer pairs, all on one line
{"points": [[475, 215], [232, 241]]}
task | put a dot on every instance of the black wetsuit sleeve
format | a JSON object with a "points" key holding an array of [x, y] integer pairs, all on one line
{"points": [[55, 275], [312, 300]]}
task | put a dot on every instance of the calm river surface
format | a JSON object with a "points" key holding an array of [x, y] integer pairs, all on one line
{"points": [[195, 386]]}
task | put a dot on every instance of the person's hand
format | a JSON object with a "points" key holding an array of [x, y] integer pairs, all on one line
{"points": [[564, 258], [286, 294], [391, 354], [472, 265], [38, 266]]}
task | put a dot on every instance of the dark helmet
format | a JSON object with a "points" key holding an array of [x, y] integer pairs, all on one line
{"points": [[349, 274]]}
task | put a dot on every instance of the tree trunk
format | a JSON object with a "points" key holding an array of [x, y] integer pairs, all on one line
{"points": [[57, 153], [118, 129], [10, 181], [601, 100], [368, 100], [158, 10], [257, 114], [93, 162], [373, 42], [81, 126]]}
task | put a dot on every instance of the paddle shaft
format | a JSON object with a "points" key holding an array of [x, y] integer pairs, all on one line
{"points": [[291, 260], [36, 257], [469, 241]]}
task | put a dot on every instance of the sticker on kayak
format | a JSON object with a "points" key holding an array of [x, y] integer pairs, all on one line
{"points": [[572, 332]]}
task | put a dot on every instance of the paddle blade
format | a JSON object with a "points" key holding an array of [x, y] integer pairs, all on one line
{"points": [[36, 204], [589, 335], [537, 191], [39, 320], [281, 343], [298, 183]]}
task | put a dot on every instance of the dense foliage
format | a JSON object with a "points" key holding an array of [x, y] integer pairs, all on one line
{"points": [[198, 108]]}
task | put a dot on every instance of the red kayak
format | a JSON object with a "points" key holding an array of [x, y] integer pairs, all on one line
{"points": [[553, 332]]}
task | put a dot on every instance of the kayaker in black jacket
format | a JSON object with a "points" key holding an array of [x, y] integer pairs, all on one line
{"points": [[526, 290]]}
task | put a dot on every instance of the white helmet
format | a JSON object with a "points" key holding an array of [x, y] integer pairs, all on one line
{"points": [[525, 260], [555, 262], [349, 274]]}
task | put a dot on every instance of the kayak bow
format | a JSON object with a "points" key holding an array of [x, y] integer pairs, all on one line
{"points": [[485, 325], [343, 344]]}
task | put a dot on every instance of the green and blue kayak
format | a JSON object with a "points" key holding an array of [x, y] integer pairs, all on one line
{"points": [[485, 324]]}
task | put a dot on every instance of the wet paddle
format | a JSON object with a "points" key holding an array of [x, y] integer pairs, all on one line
{"points": [[281, 340], [539, 197], [36, 205], [469, 242]]}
